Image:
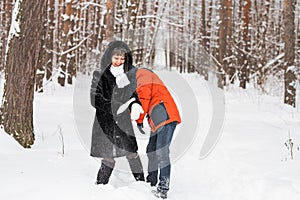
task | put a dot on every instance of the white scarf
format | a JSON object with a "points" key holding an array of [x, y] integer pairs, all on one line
{"points": [[121, 78], [117, 70]]}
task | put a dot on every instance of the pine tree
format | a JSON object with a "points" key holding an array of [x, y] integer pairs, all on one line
{"points": [[289, 57], [22, 61]]}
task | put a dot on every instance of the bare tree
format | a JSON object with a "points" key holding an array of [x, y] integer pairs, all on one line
{"points": [[154, 25], [63, 64], [41, 68], [140, 33], [110, 19], [289, 64], [229, 69], [20, 70], [50, 39], [245, 44], [72, 42], [222, 43], [172, 43], [180, 36], [209, 33], [188, 54], [132, 7], [204, 24], [6, 13], [201, 37], [261, 26], [240, 37]]}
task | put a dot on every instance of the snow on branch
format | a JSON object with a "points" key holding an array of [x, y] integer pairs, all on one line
{"points": [[158, 18], [273, 61], [71, 49], [87, 4], [15, 25]]}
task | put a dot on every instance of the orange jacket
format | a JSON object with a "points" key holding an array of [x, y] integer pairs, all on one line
{"points": [[156, 100]]}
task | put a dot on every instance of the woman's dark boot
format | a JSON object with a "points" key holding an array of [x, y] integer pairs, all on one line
{"points": [[104, 172], [136, 168]]}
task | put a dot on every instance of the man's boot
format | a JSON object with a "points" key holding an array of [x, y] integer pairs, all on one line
{"points": [[152, 178]]}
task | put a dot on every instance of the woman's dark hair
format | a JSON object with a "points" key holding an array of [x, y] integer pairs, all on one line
{"points": [[118, 52]]}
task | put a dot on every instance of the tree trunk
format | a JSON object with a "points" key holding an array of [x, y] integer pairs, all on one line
{"points": [[141, 34], [132, 22], [98, 16], [50, 40], [78, 35], [3, 35], [172, 34], [65, 44], [209, 33], [203, 46], [42, 60], [261, 51], [180, 30], [244, 58], [230, 70], [189, 54], [150, 53], [109, 20], [20, 70], [119, 15], [6, 13], [71, 65], [224, 38], [62, 32], [204, 25], [289, 48]]}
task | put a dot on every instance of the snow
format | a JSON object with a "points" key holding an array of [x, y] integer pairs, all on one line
{"points": [[249, 161], [2, 82], [292, 68], [15, 24], [65, 17]]}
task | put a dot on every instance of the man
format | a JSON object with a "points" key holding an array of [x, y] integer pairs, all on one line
{"points": [[163, 116]]}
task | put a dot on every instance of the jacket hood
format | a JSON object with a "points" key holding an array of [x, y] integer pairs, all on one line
{"points": [[106, 58]]}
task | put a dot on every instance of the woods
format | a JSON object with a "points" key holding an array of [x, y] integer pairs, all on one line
{"points": [[236, 41]]}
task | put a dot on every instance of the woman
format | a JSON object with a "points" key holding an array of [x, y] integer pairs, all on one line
{"points": [[113, 85]]}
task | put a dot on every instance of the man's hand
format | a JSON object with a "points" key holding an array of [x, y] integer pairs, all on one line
{"points": [[140, 127]]}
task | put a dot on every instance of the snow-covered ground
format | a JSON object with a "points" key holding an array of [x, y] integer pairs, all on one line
{"points": [[249, 162]]}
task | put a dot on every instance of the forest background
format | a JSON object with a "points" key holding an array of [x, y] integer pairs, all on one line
{"points": [[243, 42]]}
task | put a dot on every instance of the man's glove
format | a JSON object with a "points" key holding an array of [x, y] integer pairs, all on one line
{"points": [[136, 110], [140, 127]]}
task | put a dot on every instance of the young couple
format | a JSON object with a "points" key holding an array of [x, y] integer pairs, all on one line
{"points": [[121, 93]]}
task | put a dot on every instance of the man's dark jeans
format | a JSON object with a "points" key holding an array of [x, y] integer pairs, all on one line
{"points": [[158, 156]]}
